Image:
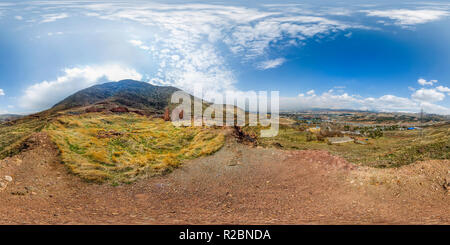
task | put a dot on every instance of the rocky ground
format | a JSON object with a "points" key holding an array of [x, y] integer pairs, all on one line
{"points": [[237, 185]]}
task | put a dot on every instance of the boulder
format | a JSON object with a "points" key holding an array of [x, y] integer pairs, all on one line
{"points": [[119, 109]]}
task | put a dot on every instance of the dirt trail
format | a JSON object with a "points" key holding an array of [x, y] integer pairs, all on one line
{"points": [[237, 185]]}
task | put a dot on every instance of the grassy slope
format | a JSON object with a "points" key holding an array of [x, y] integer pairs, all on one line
{"points": [[394, 149], [123, 148], [12, 135]]}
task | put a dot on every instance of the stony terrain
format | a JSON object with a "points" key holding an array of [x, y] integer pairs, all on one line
{"points": [[237, 185]]}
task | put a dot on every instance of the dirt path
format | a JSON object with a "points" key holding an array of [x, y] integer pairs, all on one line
{"points": [[237, 185]]}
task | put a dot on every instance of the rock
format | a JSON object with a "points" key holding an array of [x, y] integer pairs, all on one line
{"points": [[18, 193], [8, 178], [119, 109], [2, 185]]}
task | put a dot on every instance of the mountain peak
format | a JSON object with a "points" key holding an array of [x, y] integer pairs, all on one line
{"points": [[129, 81], [130, 93]]}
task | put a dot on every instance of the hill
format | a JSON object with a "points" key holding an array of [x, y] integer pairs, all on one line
{"points": [[114, 132], [116, 97], [128, 93]]}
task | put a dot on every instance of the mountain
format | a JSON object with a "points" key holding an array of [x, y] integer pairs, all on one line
{"points": [[127, 93]]}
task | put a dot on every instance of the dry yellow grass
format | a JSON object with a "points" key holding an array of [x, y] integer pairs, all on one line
{"points": [[122, 148], [12, 135]]}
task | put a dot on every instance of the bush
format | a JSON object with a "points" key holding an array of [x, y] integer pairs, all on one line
{"points": [[377, 133]]}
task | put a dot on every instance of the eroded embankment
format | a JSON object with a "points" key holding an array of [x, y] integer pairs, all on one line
{"points": [[238, 184]]}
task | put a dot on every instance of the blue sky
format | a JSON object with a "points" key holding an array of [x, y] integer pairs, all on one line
{"points": [[382, 56]]}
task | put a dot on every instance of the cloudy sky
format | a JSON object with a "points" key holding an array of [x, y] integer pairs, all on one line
{"points": [[382, 56]]}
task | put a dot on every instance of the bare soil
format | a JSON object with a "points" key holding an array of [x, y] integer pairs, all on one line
{"points": [[238, 185]]}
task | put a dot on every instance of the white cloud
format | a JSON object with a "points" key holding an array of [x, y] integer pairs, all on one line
{"points": [[310, 92], [136, 42], [2, 92], [55, 33], [427, 95], [188, 40], [254, 39], [407, 17], [140, 44], [443, 89], [53, 17], [433, 108], [18, 17], [269, 64], [424, 82], [47, 93], [332, 100]]}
